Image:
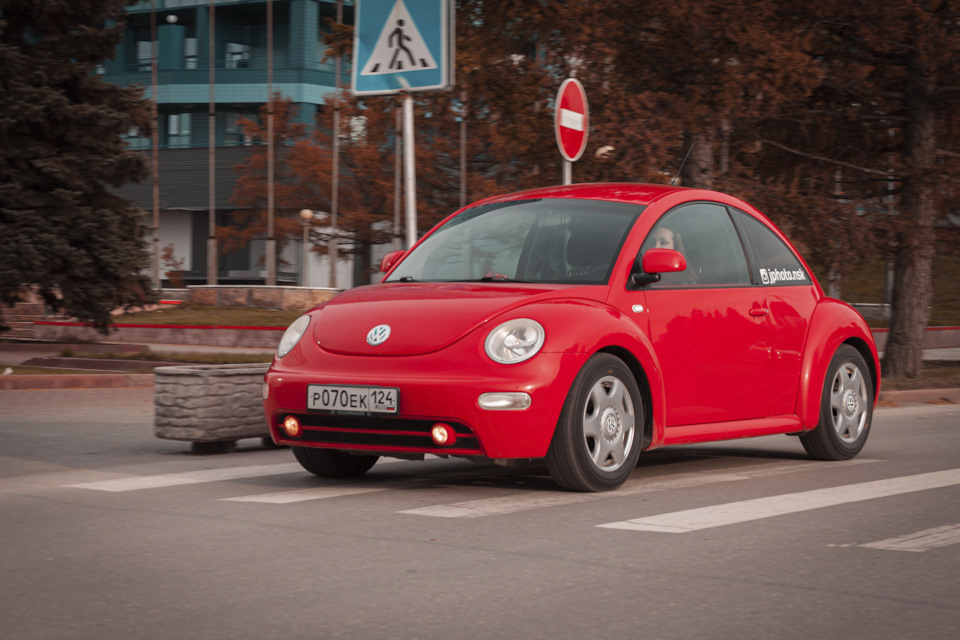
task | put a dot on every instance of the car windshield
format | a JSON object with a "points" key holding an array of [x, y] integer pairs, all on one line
{"points": [[544, 240]]}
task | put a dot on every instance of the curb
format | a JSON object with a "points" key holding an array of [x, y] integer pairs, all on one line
{"points": [[79, 381], [929, 396]]}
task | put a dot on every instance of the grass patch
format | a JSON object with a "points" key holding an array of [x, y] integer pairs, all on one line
{"points": [[864, 282], [187, 358], [937, 374], [195, 314]]}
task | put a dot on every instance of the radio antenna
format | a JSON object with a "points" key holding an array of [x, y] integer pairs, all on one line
{"points": [[674, 181]]}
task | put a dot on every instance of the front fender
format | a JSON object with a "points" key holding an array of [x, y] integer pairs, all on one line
{"points": [[833, 324], [587, 327]]}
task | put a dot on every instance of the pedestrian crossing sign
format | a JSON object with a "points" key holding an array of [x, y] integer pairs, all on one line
{"points": [[402, 46]]}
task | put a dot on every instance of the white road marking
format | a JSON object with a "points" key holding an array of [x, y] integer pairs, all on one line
{"points": [[190, 477], [135, 483], [301, 495], [635, 486], [388, 460], [921, 540], [759, 508]]}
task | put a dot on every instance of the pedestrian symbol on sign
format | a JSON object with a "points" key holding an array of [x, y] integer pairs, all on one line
{"points": [[396, 39], [399, 47]]}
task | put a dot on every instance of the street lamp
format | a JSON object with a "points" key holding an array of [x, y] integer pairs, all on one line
{"points": [[306, 215]]}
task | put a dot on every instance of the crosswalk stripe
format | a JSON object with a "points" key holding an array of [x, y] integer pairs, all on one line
{"points": [[135, 483], [759, 508], [635, 486], [301, 495], [921, 540]]}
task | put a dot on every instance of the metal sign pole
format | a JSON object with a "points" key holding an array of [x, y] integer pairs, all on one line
{"points": [[410, 170], [399, 49], [271, 240], [212, 151], [333, 249], [567, 172], [155, 138], [398, 185]]}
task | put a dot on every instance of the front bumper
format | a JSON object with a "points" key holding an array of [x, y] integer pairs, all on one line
{"points": [[442, 387]]}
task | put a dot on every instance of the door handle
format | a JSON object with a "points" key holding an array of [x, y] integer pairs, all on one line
{"points": [[759, 311]]}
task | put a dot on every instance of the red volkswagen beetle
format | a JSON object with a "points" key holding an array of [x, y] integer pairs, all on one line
{"points": [[583, 324]]}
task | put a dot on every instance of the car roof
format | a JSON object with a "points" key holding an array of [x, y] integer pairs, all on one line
{"points": [[629, 192]]}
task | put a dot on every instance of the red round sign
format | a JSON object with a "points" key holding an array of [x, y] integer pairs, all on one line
{"points": [[572, 119]]}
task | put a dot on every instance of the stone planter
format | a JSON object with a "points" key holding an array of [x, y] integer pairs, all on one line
{"points": [[211, 406]]}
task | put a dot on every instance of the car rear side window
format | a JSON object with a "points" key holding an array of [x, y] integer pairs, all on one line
{"points": [[773, 263], [705, 235]]}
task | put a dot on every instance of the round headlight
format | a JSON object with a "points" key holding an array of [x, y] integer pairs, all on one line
{"points": [[292, 335], [515, 341]]}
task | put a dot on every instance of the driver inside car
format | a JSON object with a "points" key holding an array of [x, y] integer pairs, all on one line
{"points": [[664, 237]]}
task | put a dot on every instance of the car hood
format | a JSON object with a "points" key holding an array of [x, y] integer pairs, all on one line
{"points": [[423, 317]]}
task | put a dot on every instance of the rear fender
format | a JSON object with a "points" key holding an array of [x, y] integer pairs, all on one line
{"points": [[833, 324]]}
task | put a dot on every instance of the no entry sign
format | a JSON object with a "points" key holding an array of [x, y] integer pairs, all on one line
{"points": [[572, 119]]}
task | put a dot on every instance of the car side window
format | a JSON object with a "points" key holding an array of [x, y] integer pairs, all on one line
{"points": [[774, 263], [705, 235]]}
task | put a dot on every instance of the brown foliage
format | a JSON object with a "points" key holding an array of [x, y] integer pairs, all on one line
{"points": [[838, 120], [291, 194]]}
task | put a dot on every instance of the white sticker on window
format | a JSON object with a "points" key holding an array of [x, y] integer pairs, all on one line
{"points": [[773, 276]]}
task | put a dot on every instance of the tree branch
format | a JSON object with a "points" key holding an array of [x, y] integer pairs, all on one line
{"points": [[816, 156]]}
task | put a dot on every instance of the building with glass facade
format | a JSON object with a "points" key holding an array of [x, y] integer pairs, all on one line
{"points": [[240, 64]]}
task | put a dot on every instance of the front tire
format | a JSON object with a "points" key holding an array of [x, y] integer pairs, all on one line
{"points": [[846, 409], [329, 463], [597, 440]]}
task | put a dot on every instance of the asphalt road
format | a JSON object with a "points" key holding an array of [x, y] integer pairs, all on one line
{"points": [[108, 533]]}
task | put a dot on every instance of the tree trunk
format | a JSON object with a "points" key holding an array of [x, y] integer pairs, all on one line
{"points": [[912, 287], [698, 169]]}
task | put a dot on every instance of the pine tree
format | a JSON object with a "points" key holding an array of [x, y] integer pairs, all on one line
{"points": [[61, 229], [881, 125]]}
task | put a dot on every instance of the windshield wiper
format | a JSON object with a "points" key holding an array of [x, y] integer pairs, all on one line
{"points": [[407, 279]]}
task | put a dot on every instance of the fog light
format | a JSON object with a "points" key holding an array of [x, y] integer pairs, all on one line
{"points": [[443, 434], [292, 426], [504, 401]]}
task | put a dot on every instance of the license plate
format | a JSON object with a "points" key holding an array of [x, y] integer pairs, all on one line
{"points": [[353, 399]]}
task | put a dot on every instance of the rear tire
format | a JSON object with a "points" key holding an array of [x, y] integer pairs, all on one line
{"points": [[596, 443], [329, 463], [846, 409]]}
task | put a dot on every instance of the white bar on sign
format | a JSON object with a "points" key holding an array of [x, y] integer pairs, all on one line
{"points": [[571, 119]]}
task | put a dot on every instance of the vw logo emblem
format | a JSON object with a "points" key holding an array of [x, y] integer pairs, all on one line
{"points": [[378, 335]]}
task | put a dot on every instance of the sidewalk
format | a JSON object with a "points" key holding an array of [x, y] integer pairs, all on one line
{"points": [[13, 354]]}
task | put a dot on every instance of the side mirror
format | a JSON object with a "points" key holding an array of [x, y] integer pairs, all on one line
{"points": [[390, 260], [657, 261]]}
